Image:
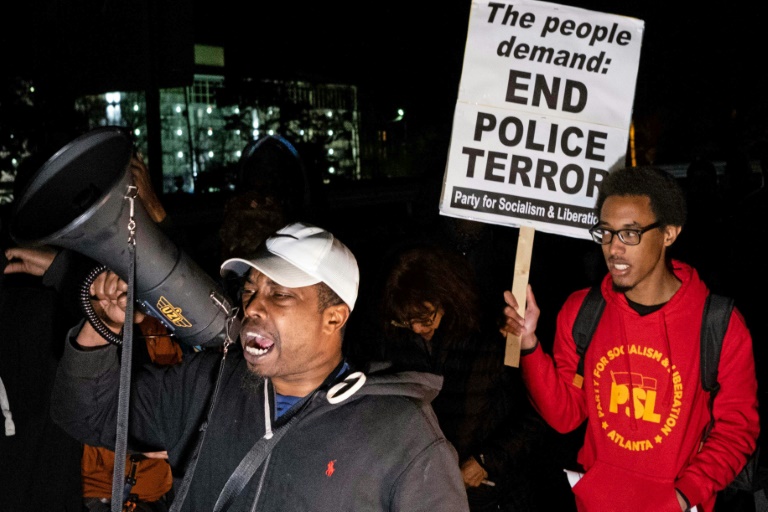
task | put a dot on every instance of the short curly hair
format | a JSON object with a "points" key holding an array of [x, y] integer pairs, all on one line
{"points": [[667, 197], [425, 272]]}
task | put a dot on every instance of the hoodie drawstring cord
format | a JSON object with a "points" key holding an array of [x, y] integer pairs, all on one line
{"points": [[632, 418], [669, 392], [267, 413]]}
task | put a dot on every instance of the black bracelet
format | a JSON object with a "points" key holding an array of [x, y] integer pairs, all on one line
{"points": [[531, 350]]}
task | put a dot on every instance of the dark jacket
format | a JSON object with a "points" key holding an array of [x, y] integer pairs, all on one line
{"points": [[380, 449], [483, 411], [40, 463]]}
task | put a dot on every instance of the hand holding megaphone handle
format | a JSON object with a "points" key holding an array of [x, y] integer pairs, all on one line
{"points": [[90, 314]]}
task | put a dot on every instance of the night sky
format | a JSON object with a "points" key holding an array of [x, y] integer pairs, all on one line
{"points": [[700, 84], [700, 71]]}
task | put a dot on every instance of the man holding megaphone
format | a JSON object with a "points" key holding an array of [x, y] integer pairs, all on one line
{"points": [[280, 421]]}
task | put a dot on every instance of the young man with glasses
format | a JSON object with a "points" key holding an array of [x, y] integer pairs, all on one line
{"points": [[641, 395]]}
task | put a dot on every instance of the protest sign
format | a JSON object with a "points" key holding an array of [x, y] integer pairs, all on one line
{"points": [[543, 114]]}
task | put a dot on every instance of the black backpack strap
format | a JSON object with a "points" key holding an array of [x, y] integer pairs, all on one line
{"points": [[714, 323], [584, 326]]}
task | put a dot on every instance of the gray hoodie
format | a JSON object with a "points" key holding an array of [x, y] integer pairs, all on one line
{"points": [[377, 447]]}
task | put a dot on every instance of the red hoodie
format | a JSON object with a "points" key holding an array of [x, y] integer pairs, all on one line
{"points": [[643, 398]]}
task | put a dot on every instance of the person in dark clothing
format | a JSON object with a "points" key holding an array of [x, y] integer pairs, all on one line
{"points": [[431, 316], [63, 272], [39, 462], [288, 423], [272, 190]]}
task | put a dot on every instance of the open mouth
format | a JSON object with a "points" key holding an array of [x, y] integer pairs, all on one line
{"points": [[255, 344], [618, 265]]}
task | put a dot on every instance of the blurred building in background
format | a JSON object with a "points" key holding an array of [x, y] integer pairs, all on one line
{"points": [[192, 136], [204, 127]]}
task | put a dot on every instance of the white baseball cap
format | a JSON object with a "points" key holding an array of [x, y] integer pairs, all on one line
{"points": [[302, 255]]}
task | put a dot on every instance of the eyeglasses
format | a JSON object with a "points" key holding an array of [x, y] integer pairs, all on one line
{"points": [[424, 322], [604, 236]]}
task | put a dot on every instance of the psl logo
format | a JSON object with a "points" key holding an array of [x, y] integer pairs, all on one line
{"points": [[172, 313], [642, 392], [634, 394]]}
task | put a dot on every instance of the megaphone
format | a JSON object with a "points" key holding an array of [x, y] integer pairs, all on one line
{"points": [[80, 199]]}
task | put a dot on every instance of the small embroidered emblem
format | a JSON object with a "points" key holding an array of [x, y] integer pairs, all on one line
{"points": [[330, 469]]}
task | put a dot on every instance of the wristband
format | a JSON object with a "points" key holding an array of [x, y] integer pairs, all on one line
{"points": [[531, 350]]}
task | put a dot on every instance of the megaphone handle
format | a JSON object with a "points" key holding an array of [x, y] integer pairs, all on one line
{"points": [[90, 314]]}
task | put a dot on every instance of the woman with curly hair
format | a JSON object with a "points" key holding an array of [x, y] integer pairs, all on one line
{"points": [[429, 310], [429, 287]]}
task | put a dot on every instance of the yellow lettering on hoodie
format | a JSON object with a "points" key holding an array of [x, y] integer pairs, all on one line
{"points": [[619, 396], [645, 403], [634, 446]]}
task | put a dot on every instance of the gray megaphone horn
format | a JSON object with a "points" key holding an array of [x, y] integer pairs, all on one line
{"points": [[79, 200]]}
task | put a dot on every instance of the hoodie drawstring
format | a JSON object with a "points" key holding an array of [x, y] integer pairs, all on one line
{"points": [[669, 392], [267, 413], [632, 418]]}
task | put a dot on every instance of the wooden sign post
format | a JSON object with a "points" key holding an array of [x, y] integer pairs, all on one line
{"points": [[519, 286]]}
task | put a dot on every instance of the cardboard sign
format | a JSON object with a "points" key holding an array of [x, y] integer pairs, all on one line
{"points": [[543, 114]]}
